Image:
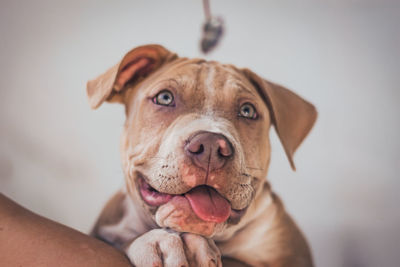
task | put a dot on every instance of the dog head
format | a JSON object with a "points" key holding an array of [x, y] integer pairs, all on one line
{"points": [[195, 147]]}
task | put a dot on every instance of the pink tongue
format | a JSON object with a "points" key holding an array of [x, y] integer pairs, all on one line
{"points": [[208, 204]]}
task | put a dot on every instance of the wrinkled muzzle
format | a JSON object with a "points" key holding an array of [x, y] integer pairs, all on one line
{"points": [[191, 156]]}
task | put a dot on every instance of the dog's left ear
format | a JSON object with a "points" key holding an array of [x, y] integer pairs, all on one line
{"points": [[292, 116], [136, 65]]}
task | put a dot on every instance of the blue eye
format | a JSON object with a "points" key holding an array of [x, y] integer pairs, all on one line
{"points": [[248, 111], [164, 98]]}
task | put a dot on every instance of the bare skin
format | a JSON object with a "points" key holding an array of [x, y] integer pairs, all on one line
{"points": [[27, 239]]}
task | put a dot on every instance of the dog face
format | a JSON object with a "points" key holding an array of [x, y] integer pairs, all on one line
{"points": [[195, 147]]}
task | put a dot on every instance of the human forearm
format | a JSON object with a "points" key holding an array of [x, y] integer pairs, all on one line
{"points": [[27, 239]]}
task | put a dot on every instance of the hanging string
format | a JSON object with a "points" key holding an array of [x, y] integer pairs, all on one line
{"points": [[213, 29]]}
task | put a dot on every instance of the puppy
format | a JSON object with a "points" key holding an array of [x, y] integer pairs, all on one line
{"points": [[195, 154]]}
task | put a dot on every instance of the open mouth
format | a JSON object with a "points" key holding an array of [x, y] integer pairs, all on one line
{"points": [[204, 200]]}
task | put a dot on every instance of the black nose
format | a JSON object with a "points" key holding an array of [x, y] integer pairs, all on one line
{"points": [[209, 151]]}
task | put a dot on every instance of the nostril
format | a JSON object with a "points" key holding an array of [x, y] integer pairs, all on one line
{"points": [[222, 154], [199, 150], [195, 148], [224, 148]]}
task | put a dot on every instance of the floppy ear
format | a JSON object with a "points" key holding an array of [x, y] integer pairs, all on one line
{"points": [[136, 65], [292, 116]]}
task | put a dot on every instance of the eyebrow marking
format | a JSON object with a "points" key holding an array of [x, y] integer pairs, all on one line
{"points": [[240, 88], [245, 89]]}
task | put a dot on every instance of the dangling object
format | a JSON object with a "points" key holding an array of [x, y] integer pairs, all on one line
{"points": [[212, 30]]}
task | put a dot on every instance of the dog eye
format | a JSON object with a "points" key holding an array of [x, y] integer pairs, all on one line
{"points": [[248, 111], [164, 98]]}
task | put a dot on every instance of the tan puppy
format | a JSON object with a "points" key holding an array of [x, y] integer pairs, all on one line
{"points": [[195, 154]]}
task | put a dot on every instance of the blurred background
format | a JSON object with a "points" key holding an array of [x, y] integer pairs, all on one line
{"points": [[61, 159]]}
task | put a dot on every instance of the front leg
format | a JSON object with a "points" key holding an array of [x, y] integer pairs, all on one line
{"points": [[157, 248], [160, 247], [201, 251]]}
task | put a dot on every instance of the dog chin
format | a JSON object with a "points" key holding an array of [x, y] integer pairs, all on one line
{"points": [[189, 212]]}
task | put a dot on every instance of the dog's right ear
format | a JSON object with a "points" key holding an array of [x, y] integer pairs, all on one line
{"points": [[292, 116], [136, 65]]}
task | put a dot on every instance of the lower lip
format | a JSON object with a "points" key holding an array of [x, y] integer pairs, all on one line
{"points": [[154, 198], [151, 196]]}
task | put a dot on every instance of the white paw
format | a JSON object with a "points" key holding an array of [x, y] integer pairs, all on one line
{"points": [[157, 248], [201, 251]]}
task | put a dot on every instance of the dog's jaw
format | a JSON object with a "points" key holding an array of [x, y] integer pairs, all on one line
{"points": [[179, 213]]}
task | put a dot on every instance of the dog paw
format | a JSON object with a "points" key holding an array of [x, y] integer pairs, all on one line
{"points": [[201, 251], [157, 248]]}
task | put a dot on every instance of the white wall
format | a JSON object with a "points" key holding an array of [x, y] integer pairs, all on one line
{"points": [[60, 159]]}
